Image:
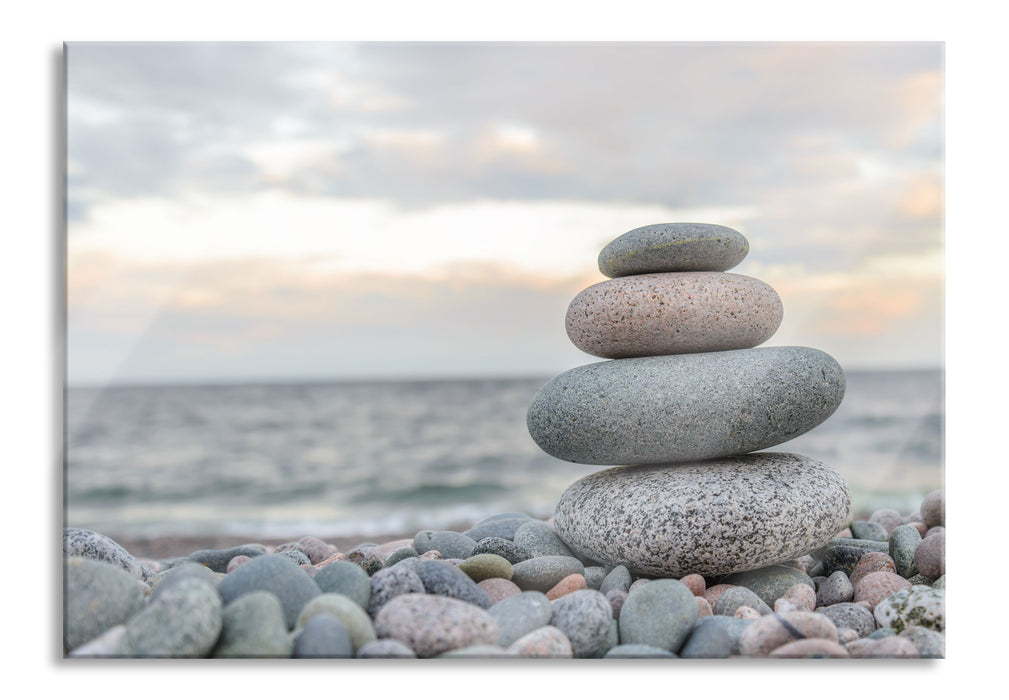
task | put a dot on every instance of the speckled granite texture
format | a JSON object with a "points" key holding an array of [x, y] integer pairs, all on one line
{"points": [[676, 408], [711, 518], [673, 248], [669, 313]]}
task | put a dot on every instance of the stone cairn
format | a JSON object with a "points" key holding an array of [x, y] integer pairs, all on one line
{"points": [[685, 398]]}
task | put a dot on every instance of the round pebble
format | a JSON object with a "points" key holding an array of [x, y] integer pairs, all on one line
{"points": [[768, 633], [769, 582], [736, 597], [706, 641], [930, 556], [184, 622], [543, 573], [253, 626], [451, 545], [323, 636], [349, 613], [567, 585], [503, 548], [904, 539], [545, 642], [673, 247], [278, 575], [497, 589], [872, 562], [78, 542], [541, 540], [584, 617], [921, 606], [929, 643], [877, 586], [97, 595], [482, 566], [441, 578], [386, 584], [433, 624], [661, 614], [519, 615], [865, 530], [933, 509], [695, 582], [850, 616], [503, 527], [836, 588], [801, 595], [618, 579], [886, 517]]}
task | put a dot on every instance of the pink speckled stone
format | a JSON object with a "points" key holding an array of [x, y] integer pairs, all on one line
{"points": [[768, 633], [670, 313], [497, 589], [876, 587], [802, 596], [316, 550], [695, 582], [870, 562], [887, 518], [430, 554], [921, 527], [703, 607], [543, 643], [930, 556], [236, 562], [568, 584], [933, 508], [745, 612], [806, 648], [712, 594]]}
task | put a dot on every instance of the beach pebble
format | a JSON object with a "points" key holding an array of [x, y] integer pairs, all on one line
{"points": [[385, 649], [497, 589], [930, 556], [543, 573], [504, 528], [684, 512], [345, 578], [836, 588], [451, 545], [769, 582], [703, 607], [594, 576], [733, 627], [189, 570], [430, 554], [399, 555], [933, 531], [933, 509], [366, 558], [323, 636], [297, 556], [745, 612], [713, 404], [846, 635], [638, 651], [768, 633], [671, 313], [706, 641], [568, 584], [236, 562], [865, 530], [850, 616], [864, 545], [883, 648], [904, 539], [389, 583], [441, 578], [278, 575], [661, 614], [184, 622], [503, 548], [349, 613], [433, 624], [922, 606], [584, 617], [108, 643], [877, 586], [519, 615], [673, 247], [97, 595], [929, 643], [317, 550], [253, 626], [218, 559], [872, 562], [482, 566], [616, 598], [810, 649], [638, 583], [78, 542], [619, 578], [736, 597], [541, 540], [842, 558], [545, 642], [801, 595], [695, 582], [886, 517], [713, 593]]}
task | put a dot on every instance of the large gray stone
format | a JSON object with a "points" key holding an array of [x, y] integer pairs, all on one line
{"points": [[253, 627], [98, 595], [661, 614], [78, 542], [432, 625], [711, 518], [278, 575], [185, 621], [673, 247], [670, 313], [679, 408]]}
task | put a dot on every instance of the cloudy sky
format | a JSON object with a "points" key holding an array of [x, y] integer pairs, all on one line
{"points": [[302, 210]]}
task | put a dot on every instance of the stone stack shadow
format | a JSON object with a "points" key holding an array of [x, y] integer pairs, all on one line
{"points": [[685, 400]]}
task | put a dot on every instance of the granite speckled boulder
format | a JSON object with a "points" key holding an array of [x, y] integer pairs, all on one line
{"points": [[97, 596], [673, 247], [432, 624], [677, 408], [278, 575], [661, 614], [921, 606], [78, 542], [672, 313], [711, 518]]}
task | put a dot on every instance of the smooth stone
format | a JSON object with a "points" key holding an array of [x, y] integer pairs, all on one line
{"points": [[864, 545], [401, 554], [733, 599], [836, 588], [711, 518], [618, 579], [707, 642], [253, 626], [483, 566], [349, 613], [278, 575], [921, 606], [673, 247], [518, 615], [584, 617], [769, 582], [543, 573], [617, 598], [545, 642], [877, 586], [184, 622], [108, 643], [888, 518], [733, 627], [933, 509], [218, 559], [850, 616], [865, 530], [768, 633], [78, 542], [672, 313], [594, 576], [638, 651], [930, 556], [97, 595], [929, 643], [843, 559], [503, 548], [679, 408], [810, 649], [661, 614], [541, 540], [451, 545], [497, 589], [443, 579], [189, 570], [567, 585], [345, 578], [433, 624], [504, 528], [385, 649], [903, 541], [389, 583], [872, 562], [884, 648], [509, 515], [317, 550], [322, 637]]}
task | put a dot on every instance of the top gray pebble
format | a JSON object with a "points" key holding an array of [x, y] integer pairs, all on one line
{"points": [[673, 248]]}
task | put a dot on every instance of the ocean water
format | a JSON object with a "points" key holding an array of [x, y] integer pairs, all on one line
{"points": [[385, 457]]}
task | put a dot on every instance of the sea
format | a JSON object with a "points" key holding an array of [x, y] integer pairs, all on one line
{"points": [[373, 458]]}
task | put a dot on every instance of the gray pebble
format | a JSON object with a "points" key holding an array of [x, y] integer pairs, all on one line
{"points": [[217, 559], [732, 599], [834, 589], [503, 548], [661, 614], [504, 528], [389, 583], [584, 617], [886, 517], [850, 616], [296, 555], [929, 643], [108, 644], [733, 628], [543, 573], [98, 595], [323, 636], [673, 247], [865, 530], [842, 558], [618, 579], [399, 555], [594, 576], [903, 541], [78, 542], [707, 641], [540, 540], [190, 570], [451, 545], [253, 626], [345, 610], [183, 622], [444, 579], [769, 582], [518, 615], [347, 579], [278, 575]]}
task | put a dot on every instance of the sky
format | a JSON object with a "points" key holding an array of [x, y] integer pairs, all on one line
{"points": [[272, 211]]}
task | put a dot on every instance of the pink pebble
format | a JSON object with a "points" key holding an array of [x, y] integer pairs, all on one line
{"points": [[802, 596], [846, 532], [568, 584], [876, 587], [712, 594], [695, 582], [236, 562], [703, 607], [870, 562], [497, 589], [930, 556], [745, 612], [933, 531], [431, 554], [921, 527], [639, 583]]}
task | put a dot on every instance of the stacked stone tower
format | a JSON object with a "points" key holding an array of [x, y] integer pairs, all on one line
{"points": [[685, 399]]}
